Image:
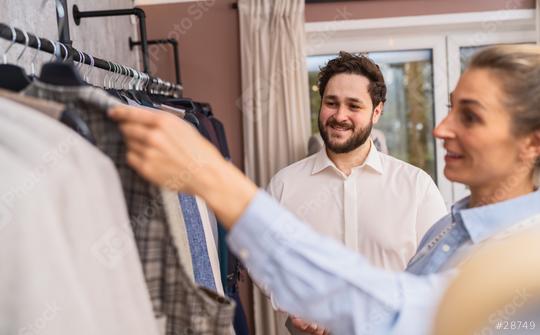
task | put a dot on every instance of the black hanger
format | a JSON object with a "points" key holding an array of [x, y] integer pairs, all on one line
{"points": [[186, 103], [206, 109], [13, 77], [60, 73]]}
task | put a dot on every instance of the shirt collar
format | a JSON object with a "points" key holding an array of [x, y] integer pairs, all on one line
{"points": [[373, 160], [485, 221]]}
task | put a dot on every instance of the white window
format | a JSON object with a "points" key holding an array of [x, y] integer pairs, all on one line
{"points": [[421, 58]]}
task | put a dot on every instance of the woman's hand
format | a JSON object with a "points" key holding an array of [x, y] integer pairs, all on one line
{"points": [[165, 149], [169, 152]]}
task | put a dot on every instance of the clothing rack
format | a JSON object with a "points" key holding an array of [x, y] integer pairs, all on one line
{"points": [[174, 44], [59, 49]]}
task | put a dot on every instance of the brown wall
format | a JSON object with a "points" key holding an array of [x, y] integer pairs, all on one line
{"points": [[209, 45], [207, 33], [351, 10]]}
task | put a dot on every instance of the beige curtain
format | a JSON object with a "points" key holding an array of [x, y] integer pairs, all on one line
{"points": [[275, 102], [537, 21]]}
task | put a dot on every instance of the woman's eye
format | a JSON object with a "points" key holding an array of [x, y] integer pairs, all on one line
{"points": [[469, 117]]}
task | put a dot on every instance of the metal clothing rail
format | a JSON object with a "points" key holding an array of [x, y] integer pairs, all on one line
{"points": [[60, 49], [174, 45], [78, 15]]}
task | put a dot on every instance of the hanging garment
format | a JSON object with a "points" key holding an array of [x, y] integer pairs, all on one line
{"points": [[200, 224], [174, 214], [214, 131], [174, 295], [72, 231], [197, 242], [178, 231], [210, 241], [49, 108]]}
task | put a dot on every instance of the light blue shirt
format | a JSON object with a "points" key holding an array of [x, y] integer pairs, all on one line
{"points": [[466, 227], [320, 280]]}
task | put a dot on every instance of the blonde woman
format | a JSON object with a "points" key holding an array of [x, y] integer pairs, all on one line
{"points": [[492, 139]]}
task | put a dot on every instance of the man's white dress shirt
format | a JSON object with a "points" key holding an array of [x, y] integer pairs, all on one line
{"points": [[381, 210]]}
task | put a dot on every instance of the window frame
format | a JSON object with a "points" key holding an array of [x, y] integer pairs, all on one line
{"points": [[443, 34]]}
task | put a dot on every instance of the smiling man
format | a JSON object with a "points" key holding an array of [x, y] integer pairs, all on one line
{"points": [[375, 204]]}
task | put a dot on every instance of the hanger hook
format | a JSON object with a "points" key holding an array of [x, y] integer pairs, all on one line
{"points": [[130, 81], [139, 80], [134, 79], [120, 79], [26, 42], [106, 74], [13, 39], [125, 76], [148, 81], [113, 76], [82, 60], [90, 68], [54, 49], [65, 48], [143, 81], [33, 65], [128, 77], [118, 75]]}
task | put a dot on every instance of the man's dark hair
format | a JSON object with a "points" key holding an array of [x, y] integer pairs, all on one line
{"points": [[351, 64]]}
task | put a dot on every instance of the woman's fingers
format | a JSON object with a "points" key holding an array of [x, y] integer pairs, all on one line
{"points": [[135, 132], [127, 114]]}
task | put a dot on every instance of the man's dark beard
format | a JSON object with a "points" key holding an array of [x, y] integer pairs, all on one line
{"points": [[357, 139]]}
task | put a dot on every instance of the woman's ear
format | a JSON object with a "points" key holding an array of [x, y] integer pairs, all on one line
{"points": [[536, 143], [531, 149]]}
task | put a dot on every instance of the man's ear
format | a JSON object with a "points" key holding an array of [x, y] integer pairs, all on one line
{"points": [[377, 112]]}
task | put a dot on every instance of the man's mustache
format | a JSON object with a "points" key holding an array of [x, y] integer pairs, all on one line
{"points": [[334, 123]]}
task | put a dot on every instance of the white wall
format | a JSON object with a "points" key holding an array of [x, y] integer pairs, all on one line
{"points": [[106, 38]]}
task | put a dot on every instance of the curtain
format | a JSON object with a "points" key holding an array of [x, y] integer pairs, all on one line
{"points": [[275, 103], [537, 21]]}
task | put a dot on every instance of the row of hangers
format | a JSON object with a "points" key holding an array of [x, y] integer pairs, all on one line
{"points": [[60, 71]]}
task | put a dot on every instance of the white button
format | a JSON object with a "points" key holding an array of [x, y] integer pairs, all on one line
{"points": [[446, 248], [244, 254]]}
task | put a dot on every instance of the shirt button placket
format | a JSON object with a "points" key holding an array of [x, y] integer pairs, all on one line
{"points": [[350, 221]]}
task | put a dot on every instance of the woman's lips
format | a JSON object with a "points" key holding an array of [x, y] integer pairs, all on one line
{"points": [[452, 156]]}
